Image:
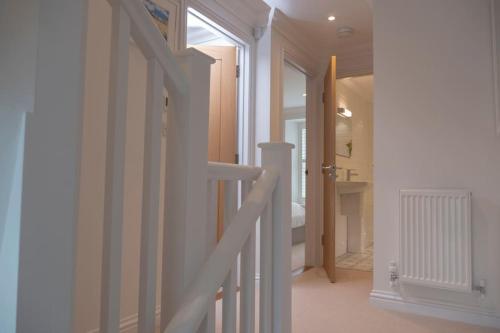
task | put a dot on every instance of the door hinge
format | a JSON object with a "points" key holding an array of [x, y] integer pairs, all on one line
{"points": [[237, 71], [323, 240], [236, 158], [323, 98]]}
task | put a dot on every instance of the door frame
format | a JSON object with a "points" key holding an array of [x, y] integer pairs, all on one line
{"points": [[285, 48], [230, 27]]}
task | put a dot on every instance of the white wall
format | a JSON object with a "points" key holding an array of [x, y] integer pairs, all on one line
{"points": [[18, 37], [434, 127]]}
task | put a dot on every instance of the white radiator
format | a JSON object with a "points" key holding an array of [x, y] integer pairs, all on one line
{"points": [[435, 238]]}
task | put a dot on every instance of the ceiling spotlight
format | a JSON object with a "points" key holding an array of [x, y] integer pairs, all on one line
{"points": [[304, 95], [331, 18]]}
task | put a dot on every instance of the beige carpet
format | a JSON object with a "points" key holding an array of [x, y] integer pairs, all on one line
{"points": [[343, 307]]}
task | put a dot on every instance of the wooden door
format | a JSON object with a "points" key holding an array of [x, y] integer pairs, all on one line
{"points": [[328, 170], [222, 128]]}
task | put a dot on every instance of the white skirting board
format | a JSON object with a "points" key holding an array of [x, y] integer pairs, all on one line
{"points": [[470, 315]]}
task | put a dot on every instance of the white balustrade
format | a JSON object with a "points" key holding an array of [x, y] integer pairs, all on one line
{"points": [[276, 156], [269, 198], [194, 265], [150, 200], [115, 163], [266, 266], [247, 283], [184, 245]]}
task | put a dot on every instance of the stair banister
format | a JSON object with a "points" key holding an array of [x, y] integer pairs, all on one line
{"points": [[184, 250], [115, 166], [194, 266], [277, 156], [270, 199], [184, 75], [220, 262]]}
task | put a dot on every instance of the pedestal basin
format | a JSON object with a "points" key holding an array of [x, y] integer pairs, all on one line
{"points": [[346, 187]]}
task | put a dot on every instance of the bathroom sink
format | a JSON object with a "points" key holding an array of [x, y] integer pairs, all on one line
{"points": [[345, 187]]}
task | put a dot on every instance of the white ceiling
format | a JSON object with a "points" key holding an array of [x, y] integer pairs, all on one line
{"points": [[294, 88], [311, 17]]}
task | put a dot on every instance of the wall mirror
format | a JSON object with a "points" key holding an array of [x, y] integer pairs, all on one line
{"points": [[344, 136]]}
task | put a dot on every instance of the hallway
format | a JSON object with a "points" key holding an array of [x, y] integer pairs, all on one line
{"points": [[321, 307]]}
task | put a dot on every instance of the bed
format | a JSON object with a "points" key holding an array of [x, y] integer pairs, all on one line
{"points": [[298, 223]]}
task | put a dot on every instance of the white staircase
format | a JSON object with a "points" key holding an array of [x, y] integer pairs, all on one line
{"points": [[195, 266]]}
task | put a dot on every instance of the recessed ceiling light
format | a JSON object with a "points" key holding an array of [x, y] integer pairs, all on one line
{"points": [[304, 95], [331, 18]]}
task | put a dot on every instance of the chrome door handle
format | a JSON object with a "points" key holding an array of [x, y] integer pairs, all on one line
{"points": [[328, 169]]}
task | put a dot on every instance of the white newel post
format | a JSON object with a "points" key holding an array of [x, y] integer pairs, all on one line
{"points": [[52, 159], [277, 156], [184, 249]]}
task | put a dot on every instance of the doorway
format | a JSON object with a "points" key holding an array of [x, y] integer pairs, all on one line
{"points": [[354, 178], [347, 173], [225, 97], [295, 120]]}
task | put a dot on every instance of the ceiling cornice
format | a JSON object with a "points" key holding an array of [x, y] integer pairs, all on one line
{"points": [[254, 13], [289, 30]]}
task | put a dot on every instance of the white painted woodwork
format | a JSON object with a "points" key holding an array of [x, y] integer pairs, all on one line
{"points": [[230, 284], [245, 21], [247, 278], [278, 44], [271, 190], [435, 238], [151, 198], [184, 248], [115, 158], [226, 171], [153, 45], [266, 266], [222, 259], [208, 324], [52, 158], [193, 266], [278, 156]]}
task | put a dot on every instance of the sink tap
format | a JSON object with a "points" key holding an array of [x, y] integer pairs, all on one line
{"points": [[350, 173]]}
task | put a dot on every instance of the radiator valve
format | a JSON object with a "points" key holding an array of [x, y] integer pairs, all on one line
{"points": [[481, 288], [393, 274]]}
